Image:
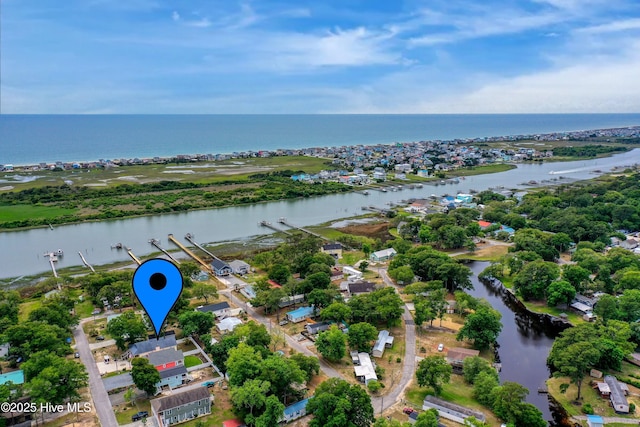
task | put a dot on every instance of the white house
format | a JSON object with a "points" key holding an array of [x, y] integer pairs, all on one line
{"points": [[384, 341], [365, 370], [383, 255]]}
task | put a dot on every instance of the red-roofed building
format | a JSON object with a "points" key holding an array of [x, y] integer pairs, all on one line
{"points": [[484, 224], [233, 423], [274, 284]]}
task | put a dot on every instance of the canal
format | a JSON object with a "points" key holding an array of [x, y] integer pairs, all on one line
{"points": [[21, 252], [524, 344]]}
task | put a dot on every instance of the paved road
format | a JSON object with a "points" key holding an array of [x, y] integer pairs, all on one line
{"points": [[380, 404], [99, 395]]}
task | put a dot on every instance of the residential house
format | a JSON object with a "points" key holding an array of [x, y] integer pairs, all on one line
{"points": [[220, 268], [166, 359], [617, 396], [248, 292], [383, 255], [143, 348], [300, 314], [357, 288], [228, 324], [315, 328], [239, 267], [295, 411], [219, 309], [180, 407], [456, 355], [333, 249], [290, 300], [172, 378], [365, 370], [353, 273], [451, 411], [484, 224], [384, 341]]}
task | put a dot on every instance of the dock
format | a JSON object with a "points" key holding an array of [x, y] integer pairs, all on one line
{"points": [[133, 257], [52, 260], [156, 243], [284, 221], [84, 261], [375, 209], [195, 257], [276, 229]]}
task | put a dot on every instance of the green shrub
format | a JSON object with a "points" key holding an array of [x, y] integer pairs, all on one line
{"points": [[587, 409]]}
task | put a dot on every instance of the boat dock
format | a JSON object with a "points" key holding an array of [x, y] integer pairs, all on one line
{"points": [[156, 243], [284, 221], [186, 250], [374, 209], [276, 229], [84, 261], [53, 259], [133, 257]]}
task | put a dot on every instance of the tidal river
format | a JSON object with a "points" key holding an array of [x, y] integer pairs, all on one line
{"points": [[21, 252], [524, 344]]}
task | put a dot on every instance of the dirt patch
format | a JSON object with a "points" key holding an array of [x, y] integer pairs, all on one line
{"points": [[379, 230]]}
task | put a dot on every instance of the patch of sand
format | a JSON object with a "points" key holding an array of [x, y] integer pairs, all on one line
{"points": [[186, 171], [97, 184], [130, 178], [7, 188]]}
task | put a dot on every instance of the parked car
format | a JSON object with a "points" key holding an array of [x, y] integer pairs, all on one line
{"points": [[407, 410], [100, 338], [140, 415], [208, 384], [440, 347], [76, 355]]}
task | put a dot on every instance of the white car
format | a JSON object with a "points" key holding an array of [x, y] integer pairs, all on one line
{"points": [[440, 347]]}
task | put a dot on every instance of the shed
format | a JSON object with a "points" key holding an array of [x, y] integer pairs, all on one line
{"points": [[300, 314], [384, 341]]}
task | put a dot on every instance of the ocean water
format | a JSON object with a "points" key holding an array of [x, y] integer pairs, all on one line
{"points": [[31, 139]]}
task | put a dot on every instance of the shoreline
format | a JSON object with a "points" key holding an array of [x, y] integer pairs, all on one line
{"points": [[577, 136]]}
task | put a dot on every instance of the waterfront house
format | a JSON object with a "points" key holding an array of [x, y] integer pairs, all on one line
{"points": [[451, 411], [219, 309], [384, 341], [456, 355], [333, 249], [228, 324], [365, 370], [180, 407], [239, 267], [383, 255], [300, 314], [617, 395], [295, 411], [220, 268]]}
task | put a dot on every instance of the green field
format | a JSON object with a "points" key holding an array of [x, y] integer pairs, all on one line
{"points": [[20, 212], [191, 360]]}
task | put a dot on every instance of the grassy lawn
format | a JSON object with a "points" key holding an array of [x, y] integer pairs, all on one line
{"points": [[84, 309], [191, 360], [124, 412], [351, 257], [20, 212], [588, 395], [488, 253], [540, 307], [26, 308], [479, 170]]}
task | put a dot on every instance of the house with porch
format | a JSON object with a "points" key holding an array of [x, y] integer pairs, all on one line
{"points": [[383, 255], [218, 309], [220, 268], [143, 348], [333, 249], [239, 267]]}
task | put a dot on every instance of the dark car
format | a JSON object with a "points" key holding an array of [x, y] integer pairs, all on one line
{"points": [[140, 415], [100, 338], [76, 355]]}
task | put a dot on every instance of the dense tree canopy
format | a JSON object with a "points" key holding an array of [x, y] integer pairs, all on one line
{"points": [[482, 327], [339, 404]]}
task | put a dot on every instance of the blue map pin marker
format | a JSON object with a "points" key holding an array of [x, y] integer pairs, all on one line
{"points": [[158, 284]]}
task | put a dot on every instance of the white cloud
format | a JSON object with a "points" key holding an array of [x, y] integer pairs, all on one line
{"points": [[175, 16]]}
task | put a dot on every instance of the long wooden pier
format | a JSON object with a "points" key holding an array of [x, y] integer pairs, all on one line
{"points": [[186, 250], [374, 209], [284, 221], [84, 261], [156, 243], [133, 257], [52, 260], [274, 228]]}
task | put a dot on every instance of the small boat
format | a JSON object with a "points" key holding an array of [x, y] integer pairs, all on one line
{"points": [[419, 185], [59, 252], [117, 246], [365, 192]]}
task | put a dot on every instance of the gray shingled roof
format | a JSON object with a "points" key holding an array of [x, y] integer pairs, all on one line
{"points": [[214, 307], [167, 355], [171, 372], [150, 345], [179, 399]]}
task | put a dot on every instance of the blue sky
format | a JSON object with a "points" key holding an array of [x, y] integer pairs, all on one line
{"points": [[328, 56]]}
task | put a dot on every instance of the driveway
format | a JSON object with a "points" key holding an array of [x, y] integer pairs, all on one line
{"points": [[119, 381], [99, 394]]}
